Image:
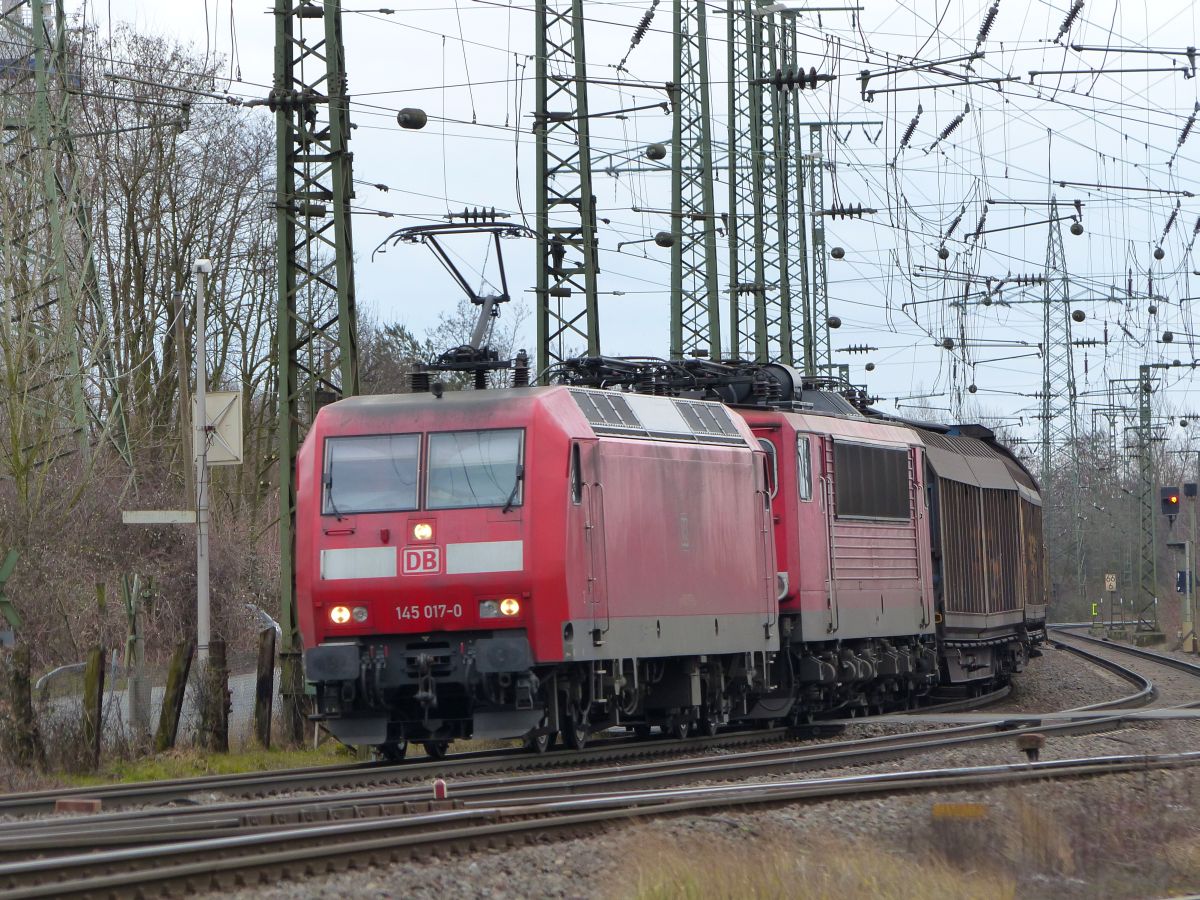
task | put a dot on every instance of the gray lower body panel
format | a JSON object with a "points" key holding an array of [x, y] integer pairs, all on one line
{"points": [[645, 637]]}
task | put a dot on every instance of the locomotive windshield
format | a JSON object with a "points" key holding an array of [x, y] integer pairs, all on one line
{"points": [[370, 474], [475, 468]]}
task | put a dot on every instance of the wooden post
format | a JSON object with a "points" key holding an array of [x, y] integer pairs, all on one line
{"points": [[93, 703], [214, 708], [28, 744], [264, 687], [172, 707]]}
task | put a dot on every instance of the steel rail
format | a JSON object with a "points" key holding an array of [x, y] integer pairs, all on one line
{"points": [[316, 777], [1181, 665], [224, 861]]}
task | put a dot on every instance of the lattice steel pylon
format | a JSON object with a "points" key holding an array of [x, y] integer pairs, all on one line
{"points": [[695, 306], [1147, 610], [758, 134], [818, 357], [568, 263], [1059, 413], [747, 297], [795, 218], [1060, 423], [56, 335], [316, 351]]}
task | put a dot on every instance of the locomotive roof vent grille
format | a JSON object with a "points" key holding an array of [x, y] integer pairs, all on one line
{"points": [[603, 410], [706, 418], [659, 418]]}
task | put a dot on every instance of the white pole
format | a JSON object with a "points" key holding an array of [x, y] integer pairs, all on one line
{"points": [[201, 270]]}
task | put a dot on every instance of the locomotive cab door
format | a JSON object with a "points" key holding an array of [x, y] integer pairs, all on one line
{"points": [[596, 592]]}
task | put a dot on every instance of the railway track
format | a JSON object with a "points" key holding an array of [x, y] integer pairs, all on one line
{"points": [[132, 850], [226, 862], [367, 775], [1071, 631]]}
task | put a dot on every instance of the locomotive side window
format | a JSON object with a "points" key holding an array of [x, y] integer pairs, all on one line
{"points": [[772, 467], [370, 474], [576, 476], [870, 482], [475, 468], [803, 467]]}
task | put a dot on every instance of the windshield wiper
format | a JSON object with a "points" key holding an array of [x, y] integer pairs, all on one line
{"points": [[332, 505], [508, 504]]}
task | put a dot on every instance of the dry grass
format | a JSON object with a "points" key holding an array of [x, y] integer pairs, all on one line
{"points": [[712, 868]]}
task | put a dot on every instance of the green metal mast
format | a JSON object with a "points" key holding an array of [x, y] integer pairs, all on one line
{"points": [[695, 310], [747, 307], [53, 243], [316, 352], [771, 171], [567, 314], [796, 219]]}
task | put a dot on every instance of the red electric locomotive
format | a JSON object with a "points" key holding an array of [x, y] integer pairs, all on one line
{"points": [[527, 562], [852, 539]]}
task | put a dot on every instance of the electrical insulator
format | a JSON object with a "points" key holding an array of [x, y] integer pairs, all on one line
{"points": [[796, 78], [1072, 14], [912, 127], [988, 21], [644, 25]]}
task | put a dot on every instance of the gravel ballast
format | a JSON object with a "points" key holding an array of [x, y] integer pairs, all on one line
{"points": [[1119, 836]]}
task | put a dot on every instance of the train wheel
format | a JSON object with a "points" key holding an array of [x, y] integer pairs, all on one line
{"points": [[393, 751], [540, 743], [576, 731], [678, 726], [436, 749], [709, 722]]}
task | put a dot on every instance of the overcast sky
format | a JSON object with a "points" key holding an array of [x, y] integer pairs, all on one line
{"points": [[467, 63]]}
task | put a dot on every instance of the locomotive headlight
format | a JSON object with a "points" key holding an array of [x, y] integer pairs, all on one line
{"points": [[497, 609], [359, 613], [339, 615], [422, 531]]}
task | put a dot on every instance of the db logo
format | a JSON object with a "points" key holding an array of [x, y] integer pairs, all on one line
{"points": [[422, 560]]}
